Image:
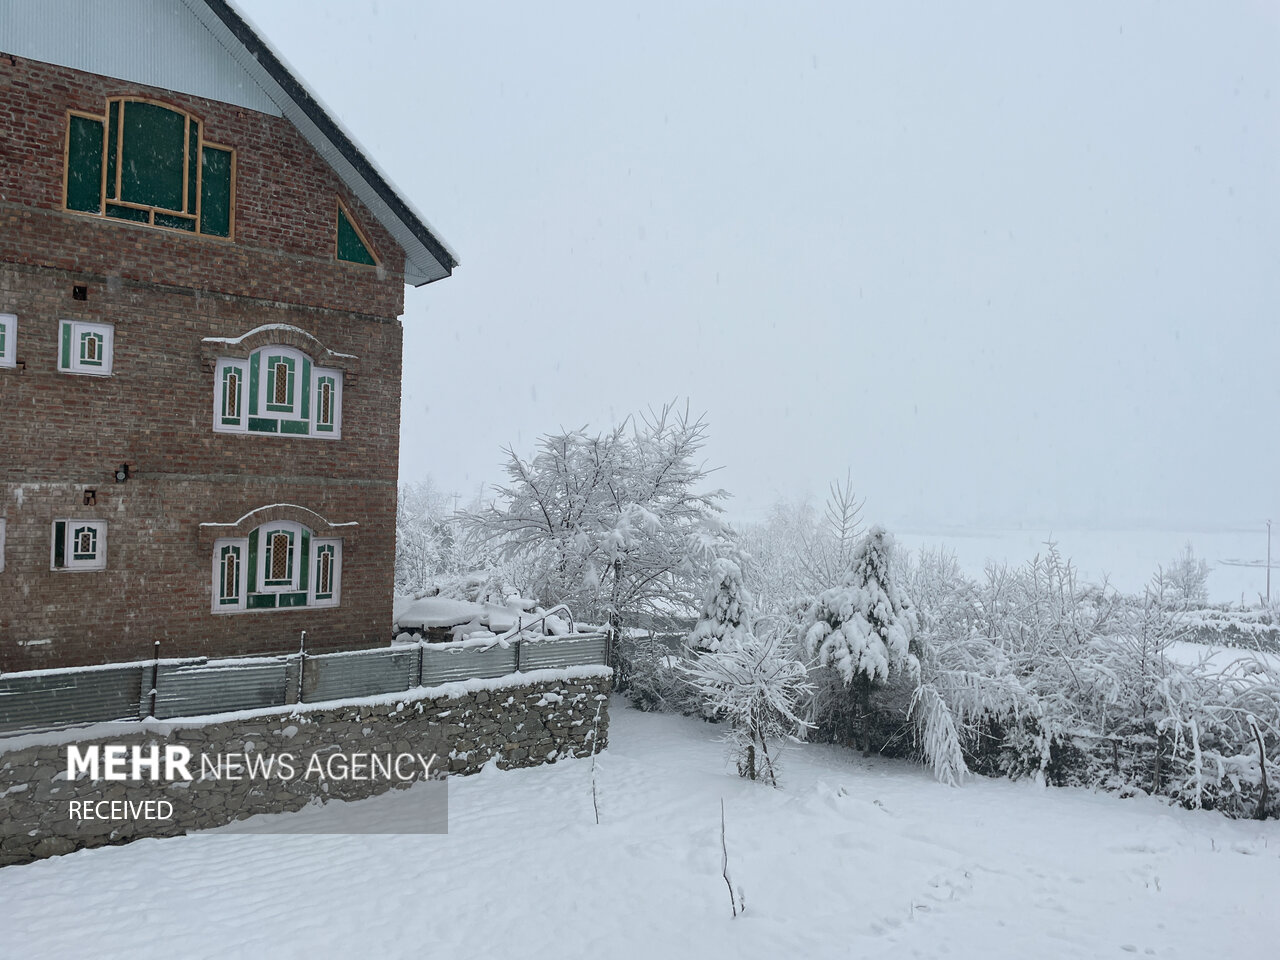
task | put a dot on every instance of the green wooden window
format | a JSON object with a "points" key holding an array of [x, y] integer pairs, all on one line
{"points": [[79, 545], [84, 543], [278, 563], [326, 403], [280, 383], [277, 390], [230, 411], [352, 246], [230, 570], [148, 163], [84, 163], [324, 572], [278, 566], [91, 348], [86, 347], [216, 165]]}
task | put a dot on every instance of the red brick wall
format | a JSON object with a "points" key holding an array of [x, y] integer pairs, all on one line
{"points": [[165, 292], [285, 217]]}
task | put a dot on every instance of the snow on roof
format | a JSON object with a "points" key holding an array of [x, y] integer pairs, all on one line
{"points": [[467, 618]]}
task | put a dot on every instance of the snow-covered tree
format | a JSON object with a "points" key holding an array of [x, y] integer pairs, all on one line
{"points": [[1186, 579], [726, 613], [754, 685], [862, 628], [614, 524]]}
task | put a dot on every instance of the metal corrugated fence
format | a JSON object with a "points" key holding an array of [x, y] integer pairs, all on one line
{"points": [[47, 699]]}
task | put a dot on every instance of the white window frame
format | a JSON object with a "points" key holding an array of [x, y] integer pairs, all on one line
{"points": [[239, 606], [264, 532], [74, 364], [242, 401], [312, 387], [336, 376], [9, 355], [69, 563], [313, 581]]}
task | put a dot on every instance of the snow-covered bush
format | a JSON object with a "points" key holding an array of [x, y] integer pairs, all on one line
{"points": [[1031, 673], [754, 685]]}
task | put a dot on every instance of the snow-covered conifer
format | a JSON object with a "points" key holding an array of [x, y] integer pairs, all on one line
{"points": [[726, 610], [863, 627]]}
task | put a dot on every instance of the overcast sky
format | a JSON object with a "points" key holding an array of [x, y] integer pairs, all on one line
{"points": [[1008, 265]]}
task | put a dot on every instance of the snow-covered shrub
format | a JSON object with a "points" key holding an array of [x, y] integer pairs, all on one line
{"points": [[754, 685], [656, 682], [861, 629]]}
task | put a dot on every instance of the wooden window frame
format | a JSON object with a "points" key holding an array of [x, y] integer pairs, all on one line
{"points": [[364, 238], [151, 211]]}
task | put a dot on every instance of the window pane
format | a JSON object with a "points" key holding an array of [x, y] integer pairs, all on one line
{"points": [[128, 213], [152, 150], [176, 222], [350, 246], [113, 148], [229, 575], [84, 164], [281, 384], [215, 192]]}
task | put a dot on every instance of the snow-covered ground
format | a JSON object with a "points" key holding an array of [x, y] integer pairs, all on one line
{"points": [[1237, 556], [853, 858]]}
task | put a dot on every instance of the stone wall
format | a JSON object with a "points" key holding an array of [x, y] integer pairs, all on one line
{"points": [[521, 720]]}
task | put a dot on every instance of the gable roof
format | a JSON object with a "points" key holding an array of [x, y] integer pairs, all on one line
{"points": [[427, 258], [208, 48]]}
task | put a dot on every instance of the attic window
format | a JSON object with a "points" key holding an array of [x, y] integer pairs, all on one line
{"points": [[352, 247], [149, 163]]}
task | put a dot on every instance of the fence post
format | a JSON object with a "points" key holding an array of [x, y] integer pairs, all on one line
{"points": [[519, 647], [302, 662], [155, 675], [422, 649]]}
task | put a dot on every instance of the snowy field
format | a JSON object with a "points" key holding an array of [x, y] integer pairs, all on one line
{"points": [[854, 858], [1237, 556]]}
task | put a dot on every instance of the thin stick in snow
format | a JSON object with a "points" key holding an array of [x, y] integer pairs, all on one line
{"points": [[724, 864], [595, 743]]}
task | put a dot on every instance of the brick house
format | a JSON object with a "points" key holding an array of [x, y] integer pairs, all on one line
{"points": [[201, 278]]}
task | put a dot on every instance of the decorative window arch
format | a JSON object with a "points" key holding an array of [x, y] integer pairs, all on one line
{"points": [[280, 565], [277, 389], [148, 162]]}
